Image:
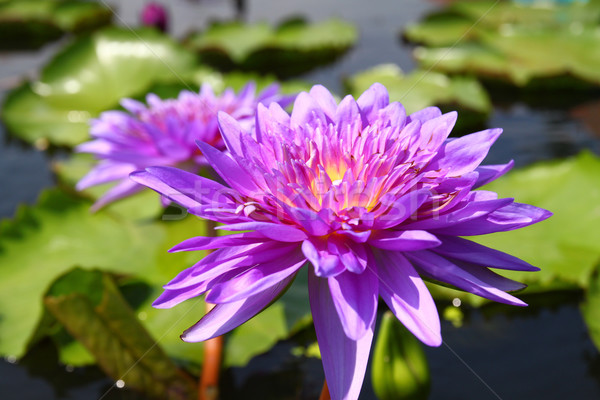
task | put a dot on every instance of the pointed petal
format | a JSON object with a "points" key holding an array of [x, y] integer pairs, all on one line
{"points": [[509, 217], [269, 119], [212, 242], [401, 209], [170, 298], [347, 112], [182, 187], [436, 130], [225, 317], [474, 253], [325, 100], [407, 296], [229, 170], [358, 237], [463, 213], [229, 259], [230, 132], [306, 111], [371, 101], [352, 255], [393, 115], [223, 254], [344, 360], [310, 220], [324, 263], [424, 115], [121, 190], [105, 172], [404, 240], [279, 232], [481, 282], [133, 106], [464, 154], [256, 279], [488, 173], [355, 299]]}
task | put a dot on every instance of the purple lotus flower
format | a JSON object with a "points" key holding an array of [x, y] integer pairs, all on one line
{"points": [[373, 199], [164, 133], [155, 14]]}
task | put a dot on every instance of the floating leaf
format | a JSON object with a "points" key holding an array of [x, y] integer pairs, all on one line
{"points": [[92, 309], [89, 76], [513, 42], [441, 29], [535, 14], [32, 23], [421, 89], [291, 49], [399, 366], [590, 308]]}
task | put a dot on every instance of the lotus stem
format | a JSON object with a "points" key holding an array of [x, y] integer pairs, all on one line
{"points": [[325, 392], [213, 350], [209, 380]]}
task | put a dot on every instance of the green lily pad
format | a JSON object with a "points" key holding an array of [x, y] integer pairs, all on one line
{"points": [[292, 48], [421, 89], [89, 76], [90, 306], [515, 43], [44, 241], [590, 309], [536, 14], [440, 29], [32, 23]]}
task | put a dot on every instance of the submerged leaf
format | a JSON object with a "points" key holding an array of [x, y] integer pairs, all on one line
{"points": [[91, 308]]}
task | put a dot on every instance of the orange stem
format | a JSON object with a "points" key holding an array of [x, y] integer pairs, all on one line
{"points": [[213, 350], [209, 380], [325, 392]]}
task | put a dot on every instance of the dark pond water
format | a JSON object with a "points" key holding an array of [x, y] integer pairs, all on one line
{"points": [[536, 353]]}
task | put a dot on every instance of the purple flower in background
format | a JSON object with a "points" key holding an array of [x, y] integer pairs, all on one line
{"points": [[155, 14], [164, 132], [372, 198]]}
